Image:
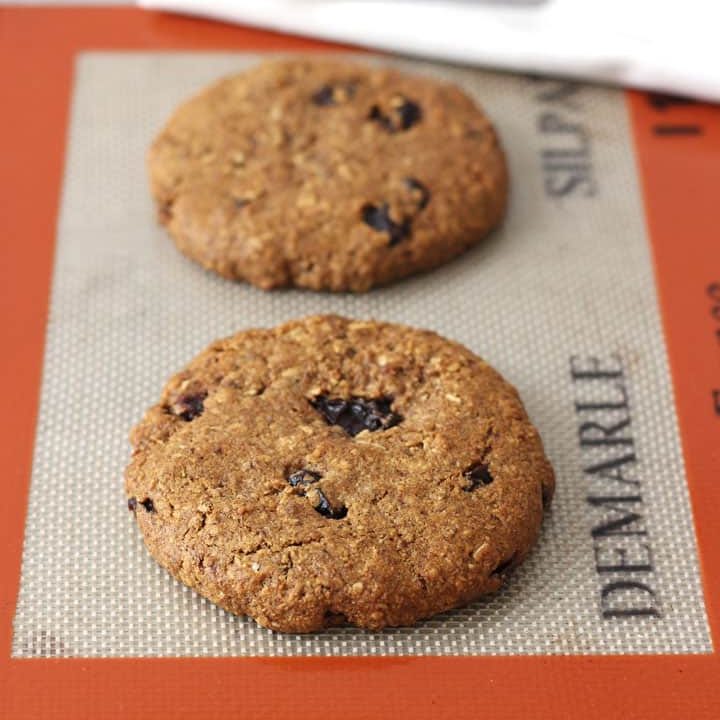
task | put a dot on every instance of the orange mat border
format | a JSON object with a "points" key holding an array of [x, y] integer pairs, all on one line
{"points": [[681, 176]]}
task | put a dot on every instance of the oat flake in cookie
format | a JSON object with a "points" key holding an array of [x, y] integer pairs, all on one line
{"points": [[327, 175], [331, 471]]}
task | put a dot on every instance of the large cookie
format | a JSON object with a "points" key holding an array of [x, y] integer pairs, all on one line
{"points": [[327, 175], [332, 471]]}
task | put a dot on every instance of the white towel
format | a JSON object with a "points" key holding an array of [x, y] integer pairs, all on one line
{"points": [[662, 45]]}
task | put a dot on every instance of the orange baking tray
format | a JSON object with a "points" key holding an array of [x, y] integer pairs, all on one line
{"points": [[677, 147]]}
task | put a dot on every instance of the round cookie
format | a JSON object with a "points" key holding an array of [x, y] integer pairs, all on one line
{"points": [[327, 175], [332, 471]]}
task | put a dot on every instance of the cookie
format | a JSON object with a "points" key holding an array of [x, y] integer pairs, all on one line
{"points": [[327, 175], [331, 471]]}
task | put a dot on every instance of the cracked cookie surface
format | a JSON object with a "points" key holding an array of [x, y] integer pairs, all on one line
{"points": [[327, 175], [333, 471]]}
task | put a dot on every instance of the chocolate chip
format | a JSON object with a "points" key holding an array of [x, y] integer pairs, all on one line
{"points": [[423, 194], [403, 115], [357, 414], [132, 504], [333, 619], [504, 566], [148, 504], [241, 202], [189, 406], [329, 95], [378, 218], [324, 96], [303, 477], [327, 510], [410, 114], [478, 475]]}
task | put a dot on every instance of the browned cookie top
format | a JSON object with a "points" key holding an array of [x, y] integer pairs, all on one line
{"points": [[327, 175], [331, 471]]}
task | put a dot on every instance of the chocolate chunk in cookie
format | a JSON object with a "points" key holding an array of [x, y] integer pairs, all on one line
{"points": [[189, 406], [477, 476], [357, 414], [401, 115]]}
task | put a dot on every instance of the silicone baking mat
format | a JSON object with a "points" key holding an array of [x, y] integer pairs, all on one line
{"points": [[561, 300]]}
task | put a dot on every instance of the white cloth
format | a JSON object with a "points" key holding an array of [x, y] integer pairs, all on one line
{"points": [[662, 45]]}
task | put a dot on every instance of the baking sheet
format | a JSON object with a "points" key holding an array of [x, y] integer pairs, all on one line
{"points": [[567, 276]]}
